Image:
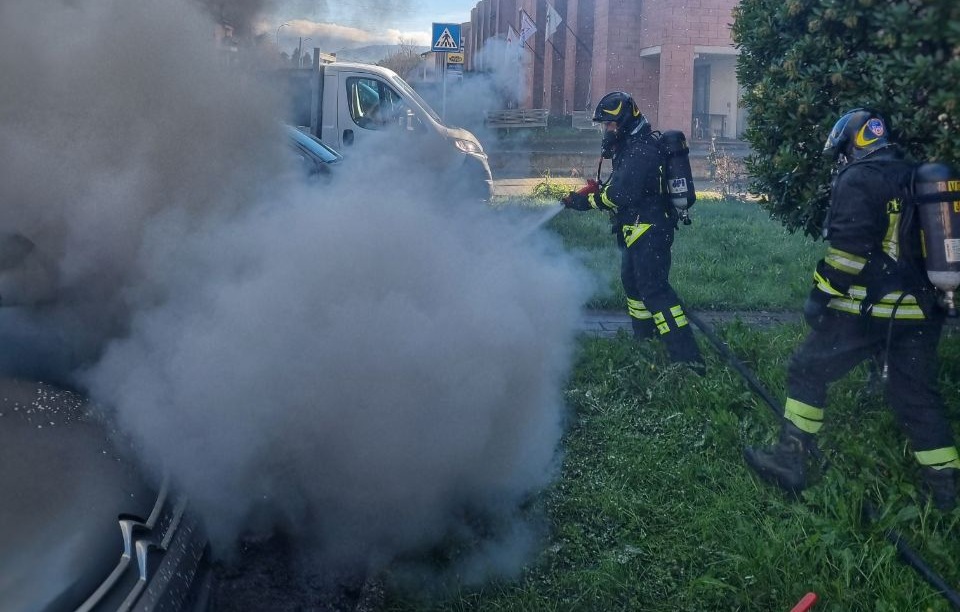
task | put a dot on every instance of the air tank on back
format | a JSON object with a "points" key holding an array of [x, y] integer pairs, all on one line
{"points": [[937, 188], [677, 173]]}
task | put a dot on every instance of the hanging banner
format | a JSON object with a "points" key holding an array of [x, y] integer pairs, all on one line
{"points": [[512, 44], [527, 27], [512, 37], [553, 21]]}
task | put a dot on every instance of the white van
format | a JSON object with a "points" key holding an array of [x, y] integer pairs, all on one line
{"points": [[342, 102]]}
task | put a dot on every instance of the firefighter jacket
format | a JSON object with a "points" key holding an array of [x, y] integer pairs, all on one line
{"points": [[873, 265], [634, 192]]}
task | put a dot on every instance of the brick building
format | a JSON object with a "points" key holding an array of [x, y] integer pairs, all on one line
{"points": [[675, 56]]}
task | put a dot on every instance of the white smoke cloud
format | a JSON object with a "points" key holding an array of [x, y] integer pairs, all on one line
{"points": [[356, 362], [330, 36], [498, 81], [337, 25]]}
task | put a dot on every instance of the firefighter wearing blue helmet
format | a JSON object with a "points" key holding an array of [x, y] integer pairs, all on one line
{"points": [[870, 296], [644, 222]]}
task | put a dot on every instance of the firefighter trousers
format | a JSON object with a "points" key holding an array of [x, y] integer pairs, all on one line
{"points": [[828, 354], [653, 305]]}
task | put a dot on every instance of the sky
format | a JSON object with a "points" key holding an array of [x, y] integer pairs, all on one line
{"points": [[341, 24]]}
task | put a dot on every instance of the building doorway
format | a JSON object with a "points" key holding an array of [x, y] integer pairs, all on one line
{"points": [[700, 129]]}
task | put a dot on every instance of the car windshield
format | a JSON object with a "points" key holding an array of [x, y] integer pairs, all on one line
{"points": [[411, 92], [312, 144]]}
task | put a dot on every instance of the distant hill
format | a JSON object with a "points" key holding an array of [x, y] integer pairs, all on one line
{"points": [[371, 54]]}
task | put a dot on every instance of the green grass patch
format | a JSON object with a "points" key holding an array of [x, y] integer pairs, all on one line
{"points": [[733, 257], [654, 508]]}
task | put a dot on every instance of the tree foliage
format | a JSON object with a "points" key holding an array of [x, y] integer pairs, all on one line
{"points": [[404, 60], [803, 63]]}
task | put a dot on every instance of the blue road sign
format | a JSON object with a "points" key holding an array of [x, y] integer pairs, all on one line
{"points": [[446, 37]]}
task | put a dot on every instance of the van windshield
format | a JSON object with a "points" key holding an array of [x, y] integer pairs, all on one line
{"points": [[411, 92]]}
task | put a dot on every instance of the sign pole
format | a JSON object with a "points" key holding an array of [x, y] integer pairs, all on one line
{"points": [[446, 38]]}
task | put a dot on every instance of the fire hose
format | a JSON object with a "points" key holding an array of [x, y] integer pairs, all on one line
{"points": [[907, 554]]}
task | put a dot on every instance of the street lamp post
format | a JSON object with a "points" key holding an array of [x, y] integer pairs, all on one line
{"points": [[278, 33], [300, 52]]}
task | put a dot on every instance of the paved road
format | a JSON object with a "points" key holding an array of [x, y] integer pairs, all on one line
{"points": [[524, 186]]}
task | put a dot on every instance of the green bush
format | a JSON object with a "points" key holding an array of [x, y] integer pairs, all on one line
{"points": [[550, 189], [803, 63]]}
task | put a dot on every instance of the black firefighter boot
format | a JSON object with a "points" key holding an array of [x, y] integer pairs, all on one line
{"points": [[682, 348], [643, 329], [784, 463], [940, 486]]}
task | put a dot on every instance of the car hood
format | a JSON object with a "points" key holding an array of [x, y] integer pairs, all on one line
{"points": [[65, 482]]}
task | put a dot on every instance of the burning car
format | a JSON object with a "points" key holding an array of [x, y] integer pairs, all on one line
{"points": [[316, 158], [82, 527]]}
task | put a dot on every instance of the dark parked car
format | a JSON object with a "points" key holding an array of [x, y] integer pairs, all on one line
{"points": [[316, 157], [81, 527]]}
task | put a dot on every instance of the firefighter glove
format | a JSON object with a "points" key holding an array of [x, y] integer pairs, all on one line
{"points": [[592, 186], [576, 201], [580, 199], [815, 311]]}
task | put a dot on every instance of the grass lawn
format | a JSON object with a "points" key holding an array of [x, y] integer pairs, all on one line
{"points": [[732, 257], [653, 507]]}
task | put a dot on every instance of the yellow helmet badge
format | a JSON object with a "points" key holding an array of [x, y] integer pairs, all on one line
{"points": [[876, 129]]}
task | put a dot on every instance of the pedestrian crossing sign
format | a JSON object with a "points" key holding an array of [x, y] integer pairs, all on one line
{"points": [[446, 37]]}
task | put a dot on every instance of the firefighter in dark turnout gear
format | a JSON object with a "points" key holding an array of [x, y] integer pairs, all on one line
{"points": [[870, 296], [644, 222]]}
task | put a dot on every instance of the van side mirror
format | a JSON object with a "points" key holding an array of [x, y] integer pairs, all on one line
{"points": [[347, 138]]}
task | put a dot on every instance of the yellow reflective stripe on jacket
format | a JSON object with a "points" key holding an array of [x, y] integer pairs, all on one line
{"points": [[879, 310], [806, 417], [637, 310], [883, 309], [632, 232], [824, 285], [939, 458], [860, 292], [891, 241], [592, 200], [843, 261], [607, 202]]}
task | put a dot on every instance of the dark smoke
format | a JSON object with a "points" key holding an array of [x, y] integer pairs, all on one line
{"points": [[242, 15], [358, 363], [127, 114]]}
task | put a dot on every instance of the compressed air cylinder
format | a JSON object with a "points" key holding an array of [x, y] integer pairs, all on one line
{"points": [[677, 172], [937, 188]]}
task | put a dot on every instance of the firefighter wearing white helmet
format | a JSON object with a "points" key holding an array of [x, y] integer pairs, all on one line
{"points": [[870, 296], [644, 221]]}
